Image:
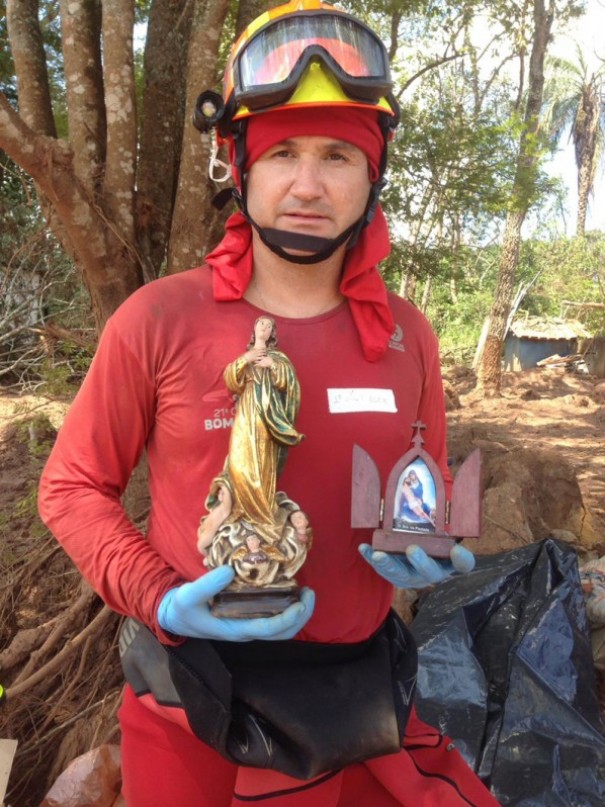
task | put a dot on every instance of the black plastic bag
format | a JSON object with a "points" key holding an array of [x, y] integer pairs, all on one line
{"points": [[506, 670]]}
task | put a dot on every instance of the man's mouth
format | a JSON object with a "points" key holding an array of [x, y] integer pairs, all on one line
{"points": [[303, 219]]}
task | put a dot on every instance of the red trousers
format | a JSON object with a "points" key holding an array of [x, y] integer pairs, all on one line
{"points": [[164, 765]]}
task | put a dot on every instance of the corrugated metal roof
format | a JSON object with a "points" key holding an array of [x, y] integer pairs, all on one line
{"points": [[548, 328]]}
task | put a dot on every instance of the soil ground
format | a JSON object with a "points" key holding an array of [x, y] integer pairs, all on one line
{"points": [[543, 443]]}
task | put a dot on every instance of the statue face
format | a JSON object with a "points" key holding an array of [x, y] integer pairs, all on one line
{"points": [[253, 542], [299, 520], [263, 328]]}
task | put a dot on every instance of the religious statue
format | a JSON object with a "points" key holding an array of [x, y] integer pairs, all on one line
{"points": [[251, 525]]}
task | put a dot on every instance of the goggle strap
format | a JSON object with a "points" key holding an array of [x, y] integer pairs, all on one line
{"points": [[221, 199], [370, 210]]}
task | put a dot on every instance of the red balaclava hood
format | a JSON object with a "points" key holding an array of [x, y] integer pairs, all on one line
{"points": [[362, 285]]}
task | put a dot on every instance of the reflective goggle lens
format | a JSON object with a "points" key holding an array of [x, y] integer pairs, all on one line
{"points": [[272, 55]]}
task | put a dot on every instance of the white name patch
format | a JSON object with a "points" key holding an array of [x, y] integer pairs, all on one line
{"points": [[351, 399]]}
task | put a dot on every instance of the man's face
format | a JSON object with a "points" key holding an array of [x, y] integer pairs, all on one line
{"points": [[309, 184]]}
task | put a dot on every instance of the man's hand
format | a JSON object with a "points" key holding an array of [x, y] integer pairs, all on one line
{"points": [[417, 569], [185, 611]]}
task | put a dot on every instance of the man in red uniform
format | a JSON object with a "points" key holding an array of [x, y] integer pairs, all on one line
{"points": [[308, 152]]}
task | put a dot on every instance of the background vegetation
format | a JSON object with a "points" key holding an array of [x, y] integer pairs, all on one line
{"points": [[116, 165]]}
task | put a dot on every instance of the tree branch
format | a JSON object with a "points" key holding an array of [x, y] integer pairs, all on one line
{"points": [[28, 54], [55, 663], [84, 85], [118, 186], [425, 69]]}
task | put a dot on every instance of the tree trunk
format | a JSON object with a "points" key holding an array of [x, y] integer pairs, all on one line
{"points": [[426, 294], [110, 278], [249, 10], [407, 288], [586, 168], [120, 105], [87, 186], [165, 63], [113, 219], [192, 235], [453, 290], [584, 187], [490, 369], [27, 49], [481, 343], [80, 26], [586, 152]]}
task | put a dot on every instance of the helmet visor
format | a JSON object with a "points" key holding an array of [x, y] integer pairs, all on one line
{"points": [[269, 67]]}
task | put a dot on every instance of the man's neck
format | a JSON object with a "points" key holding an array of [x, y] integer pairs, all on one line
{"points": [[292, 289]]}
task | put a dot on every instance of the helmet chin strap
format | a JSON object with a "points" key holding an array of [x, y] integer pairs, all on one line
{"points": [[317, 249]]}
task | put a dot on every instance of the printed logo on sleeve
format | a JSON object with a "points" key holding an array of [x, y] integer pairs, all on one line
{"points": [[396, 341]]}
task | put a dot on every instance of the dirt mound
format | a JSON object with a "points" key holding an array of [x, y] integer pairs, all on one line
{"points": [[543, 474], [543, 459]]}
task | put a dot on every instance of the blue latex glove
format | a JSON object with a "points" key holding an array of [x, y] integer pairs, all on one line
{"points": [[185, 611], [417, 569]]}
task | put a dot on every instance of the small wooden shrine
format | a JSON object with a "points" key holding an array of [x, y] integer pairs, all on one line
{"points": [[414, 509]]}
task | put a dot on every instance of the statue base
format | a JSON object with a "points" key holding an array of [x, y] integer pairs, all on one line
{"points": [[434, 544], [250, 603]]}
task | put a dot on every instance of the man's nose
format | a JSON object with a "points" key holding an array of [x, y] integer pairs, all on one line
{"points": [[308, 181]]}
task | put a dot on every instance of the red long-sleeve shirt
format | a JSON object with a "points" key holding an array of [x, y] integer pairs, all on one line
{"points": [[156, 382]]}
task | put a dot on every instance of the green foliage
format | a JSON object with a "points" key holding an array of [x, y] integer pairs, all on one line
{"points": [[464, 165], [416, 259], [462, 297], [62, 373], [567, 270], [575, 106], [453, 167], [573, 272]]}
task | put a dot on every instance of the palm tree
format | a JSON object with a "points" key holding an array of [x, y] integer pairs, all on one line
{"points": [[575, 96]]}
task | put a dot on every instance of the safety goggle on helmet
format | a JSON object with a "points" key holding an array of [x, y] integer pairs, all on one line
{"points": [[302, 53]]}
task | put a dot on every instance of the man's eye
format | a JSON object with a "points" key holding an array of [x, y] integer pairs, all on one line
{"points": [[337, 155]]}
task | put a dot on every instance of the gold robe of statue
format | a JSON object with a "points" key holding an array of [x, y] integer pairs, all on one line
{"points": [[263, 430]]}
